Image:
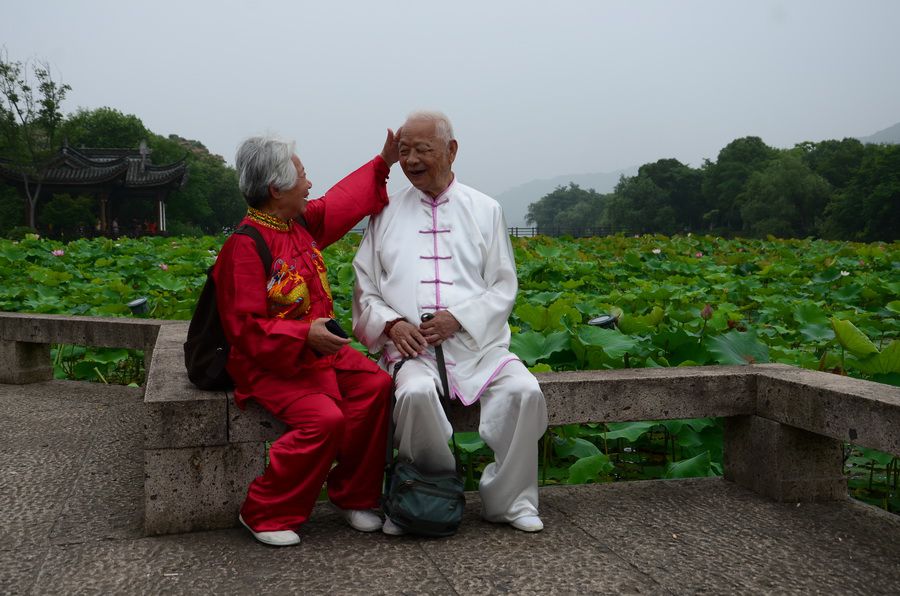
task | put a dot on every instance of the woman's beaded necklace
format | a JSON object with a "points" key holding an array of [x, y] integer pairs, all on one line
{"points": [[267, 220]]}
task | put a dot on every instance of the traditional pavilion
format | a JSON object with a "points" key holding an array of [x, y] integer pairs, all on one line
{"points": [[115, 177]]}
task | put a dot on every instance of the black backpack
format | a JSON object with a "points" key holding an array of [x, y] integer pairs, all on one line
{"points": [[206, 349]]}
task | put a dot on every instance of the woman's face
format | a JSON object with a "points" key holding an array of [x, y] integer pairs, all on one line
{"points": [[292, 201]]}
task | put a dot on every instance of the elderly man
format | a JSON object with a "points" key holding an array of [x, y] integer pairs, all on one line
{"points": [[442, 247], [283, 355]]}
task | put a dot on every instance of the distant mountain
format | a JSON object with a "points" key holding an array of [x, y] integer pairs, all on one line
{"points": [[889, 136], [515, 201]]}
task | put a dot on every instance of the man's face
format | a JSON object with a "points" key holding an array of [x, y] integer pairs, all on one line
{"points": [[425, 158]]}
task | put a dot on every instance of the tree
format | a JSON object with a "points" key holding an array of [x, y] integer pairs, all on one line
{"points": [[30, 121], [682, 185], [64, 213], [868, 208], [784, 199], [639, 205], [210, 200], [104, 127], [11, 212], [724, 180], [544, 213], [836, 161]]}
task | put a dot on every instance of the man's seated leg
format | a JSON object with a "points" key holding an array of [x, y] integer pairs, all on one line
{"points": [[422, 430], [513, 419]]}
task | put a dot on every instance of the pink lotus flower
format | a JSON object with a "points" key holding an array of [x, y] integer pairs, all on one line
{"points": [[58, 252], [699, 254], [163, 266], [707, 313]]}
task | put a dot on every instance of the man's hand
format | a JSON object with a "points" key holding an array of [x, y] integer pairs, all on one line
{"points": [[439, 328], [391, 152], [322, 340], [409, 341]]}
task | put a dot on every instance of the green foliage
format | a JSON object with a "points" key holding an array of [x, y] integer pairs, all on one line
{"points": [[30, 120], [19, 233], [833, 189], [66, 213], [11, 212], [784, 199], [104, 127], [210, 199], [567, 208], [104, 365]]}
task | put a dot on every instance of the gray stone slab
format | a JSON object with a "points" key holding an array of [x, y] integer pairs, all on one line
{"points": [[198, 488], [106, 498], [649, 393], [178, 414], [52, 395], [24, 362], [19, 569], [331, 559], [55, 459], [189, 423], [34, 483], [708, 535], [252, 423], [110, 332], [782, 462], [487, 558], [860, 412]]}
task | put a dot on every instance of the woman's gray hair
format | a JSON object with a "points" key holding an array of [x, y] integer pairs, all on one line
{"points": [[442, 127], [264, 161]]}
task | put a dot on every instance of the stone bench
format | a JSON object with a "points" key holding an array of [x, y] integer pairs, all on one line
{"points": [[782, 434]]}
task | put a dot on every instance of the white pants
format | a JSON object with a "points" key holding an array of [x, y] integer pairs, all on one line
{"points": [[513, 418]]}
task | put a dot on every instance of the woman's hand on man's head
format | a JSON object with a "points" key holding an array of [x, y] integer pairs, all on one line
{"points": [[391, 151]]}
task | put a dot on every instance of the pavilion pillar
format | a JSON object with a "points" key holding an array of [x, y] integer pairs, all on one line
{"points": [[160, 212], [104, 219]]}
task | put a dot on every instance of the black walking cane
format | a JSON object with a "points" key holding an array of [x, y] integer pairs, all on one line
{"points": [[439, 356], [445, 398]]}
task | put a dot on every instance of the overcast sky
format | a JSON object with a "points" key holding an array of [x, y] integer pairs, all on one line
{"points": [[534, 89]]}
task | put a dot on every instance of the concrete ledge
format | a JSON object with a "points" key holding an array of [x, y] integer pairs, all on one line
{"points": [[649, 394], [177, 414], [198, 489], [24, 363], [782, 462], [589, 396], [101, 332], [859, 412]]}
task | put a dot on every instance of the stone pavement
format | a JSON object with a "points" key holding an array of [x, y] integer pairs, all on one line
{"points": [[70, 523]]}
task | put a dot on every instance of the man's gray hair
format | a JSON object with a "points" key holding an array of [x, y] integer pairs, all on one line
{"points": [[264, 161], [442, 127]]}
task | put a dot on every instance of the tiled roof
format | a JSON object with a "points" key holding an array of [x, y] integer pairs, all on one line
{"points": [[99, 166]]}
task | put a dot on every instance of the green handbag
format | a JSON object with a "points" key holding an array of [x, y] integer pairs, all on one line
{"points": [[424, 504]]}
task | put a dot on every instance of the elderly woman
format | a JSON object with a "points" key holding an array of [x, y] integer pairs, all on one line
{"points": [[333, 399]]}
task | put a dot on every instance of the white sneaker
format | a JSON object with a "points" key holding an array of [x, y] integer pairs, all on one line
{"points": [[392, 529], [528, 523], [362, 520], [278, 538]]}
